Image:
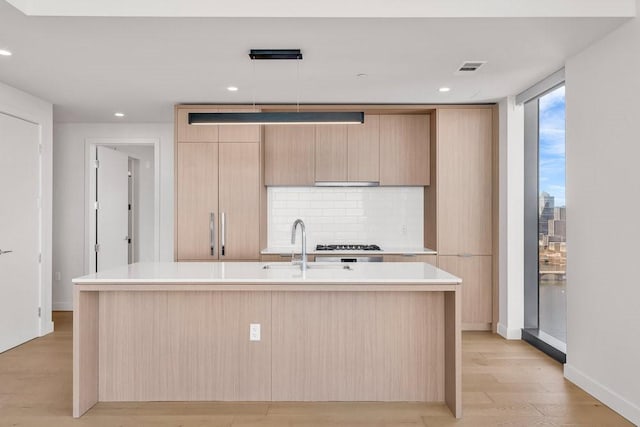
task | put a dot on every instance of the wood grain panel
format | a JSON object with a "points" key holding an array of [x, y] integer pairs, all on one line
{"points": [[358, 346], [239, 201], [176, 346], [363, 150], [239, 133], [464, 181], [404, 149], [477, 286], [190, 133], [429, 259], [289, 155], [196, 200], [85, 351], [331, 153], [453, 352]]}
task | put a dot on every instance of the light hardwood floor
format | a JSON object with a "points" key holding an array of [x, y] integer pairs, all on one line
{"points": [[504, 384]]}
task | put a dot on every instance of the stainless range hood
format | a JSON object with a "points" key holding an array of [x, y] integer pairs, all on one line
{"points": [[347, 183]]}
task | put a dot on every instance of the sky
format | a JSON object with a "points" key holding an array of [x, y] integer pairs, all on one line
{"points": [[552, 144]]}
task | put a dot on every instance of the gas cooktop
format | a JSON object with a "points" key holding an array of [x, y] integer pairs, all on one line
{"points": [[347, 247]]}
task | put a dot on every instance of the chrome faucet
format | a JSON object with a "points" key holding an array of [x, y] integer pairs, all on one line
{"points": [[303, 261]]}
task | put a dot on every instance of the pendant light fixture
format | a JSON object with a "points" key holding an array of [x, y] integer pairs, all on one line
{"points": [[277, 117]]}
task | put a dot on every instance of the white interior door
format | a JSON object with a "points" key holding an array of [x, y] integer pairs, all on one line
{"points": [[19, 231], [112, 221]]}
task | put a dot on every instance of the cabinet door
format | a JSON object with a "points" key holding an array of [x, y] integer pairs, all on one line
{"points": [[404, 149], [197, 201], [429, 259], [239, 133], [464, 181], [239, 201], [331, 153], [194, 133], [475, 272], [363, 152], [289, 155]]}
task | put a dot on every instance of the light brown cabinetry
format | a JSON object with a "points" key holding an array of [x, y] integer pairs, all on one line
{"points": [[289, 157], [217, 201], [476, 275], [196, 201], [464, 181], [404, 149], [239, 195], [363, 150], [463, 196], [331, 152], [429, 259], [348, 152]]}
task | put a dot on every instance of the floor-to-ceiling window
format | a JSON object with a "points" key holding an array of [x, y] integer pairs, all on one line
{"points": [[545, 220]]}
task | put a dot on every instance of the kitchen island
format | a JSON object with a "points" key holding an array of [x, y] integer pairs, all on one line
{"points": [[249, 331]]}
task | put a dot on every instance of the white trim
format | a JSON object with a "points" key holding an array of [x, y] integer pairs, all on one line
{"points": [[604, 394], [89, 223], [545, 85], [62, 306], [510, 334]]}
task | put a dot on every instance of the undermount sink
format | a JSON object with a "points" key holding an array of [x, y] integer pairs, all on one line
{"points": [[284, 265]]}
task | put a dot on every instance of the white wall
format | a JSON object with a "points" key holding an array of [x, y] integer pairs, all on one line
{"points": [[511, 219], [603, 220], [69, 192], [387, 216], [28, 107]]}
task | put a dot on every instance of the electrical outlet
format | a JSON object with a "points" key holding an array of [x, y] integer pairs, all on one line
{"points": [[254, 332], [404, 229], [58, 276]]}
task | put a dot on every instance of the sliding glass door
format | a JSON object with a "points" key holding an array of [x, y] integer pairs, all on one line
{"points": [[545, 222]]}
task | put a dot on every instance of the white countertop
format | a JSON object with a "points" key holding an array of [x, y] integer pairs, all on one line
{"points": [[386, 251], [417, 273]]}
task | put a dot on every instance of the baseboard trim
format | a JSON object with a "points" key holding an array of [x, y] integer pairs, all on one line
{"points": [[62, 306], [476, 326], [607, 396], [510, 334]]}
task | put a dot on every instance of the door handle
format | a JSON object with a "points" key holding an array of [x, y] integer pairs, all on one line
{"points": [[212, 233], [465, 255], [4, 252], [223, 232]]}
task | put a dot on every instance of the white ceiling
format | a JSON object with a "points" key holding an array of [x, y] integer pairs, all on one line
{"points": [[90, 67]]}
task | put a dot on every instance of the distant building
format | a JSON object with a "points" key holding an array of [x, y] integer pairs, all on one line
{"points": [[560, 213], [557, 228], [545, 212]]}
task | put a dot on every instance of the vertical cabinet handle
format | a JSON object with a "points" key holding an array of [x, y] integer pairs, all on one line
{"points": [[212, 233], [223, 232]]}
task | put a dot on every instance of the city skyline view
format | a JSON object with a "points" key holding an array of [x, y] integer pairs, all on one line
{"points": [[552, 145]]}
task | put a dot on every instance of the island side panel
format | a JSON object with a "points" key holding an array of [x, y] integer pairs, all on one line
{"points": [[453, 351], [85, 351], [358, 346], [181, 346]]}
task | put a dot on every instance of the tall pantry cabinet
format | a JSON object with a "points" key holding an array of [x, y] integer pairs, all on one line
{"points": [[463, 199], [217, 191]]}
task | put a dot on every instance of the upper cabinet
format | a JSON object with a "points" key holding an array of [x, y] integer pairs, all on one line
{"points": [[289, 155], [331, 152], [404, 149], [363, 150], [213, 133], [464, 165]]}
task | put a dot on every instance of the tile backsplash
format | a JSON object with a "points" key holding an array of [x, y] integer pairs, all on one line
{"points": [[391, 217]]}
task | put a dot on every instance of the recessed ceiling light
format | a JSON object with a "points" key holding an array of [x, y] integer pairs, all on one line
{"points": [[4, 52], [444, 89], [232, 88], [362, 75], [118, 114]]}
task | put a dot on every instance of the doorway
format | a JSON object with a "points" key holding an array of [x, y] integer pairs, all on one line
{"points": [[123, 212], [20, 231]]}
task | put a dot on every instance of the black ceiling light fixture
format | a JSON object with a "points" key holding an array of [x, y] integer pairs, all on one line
{"points": [[277, 117]]}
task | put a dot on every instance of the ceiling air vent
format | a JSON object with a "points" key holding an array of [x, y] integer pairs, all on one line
{"points": [[470, 67]]}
